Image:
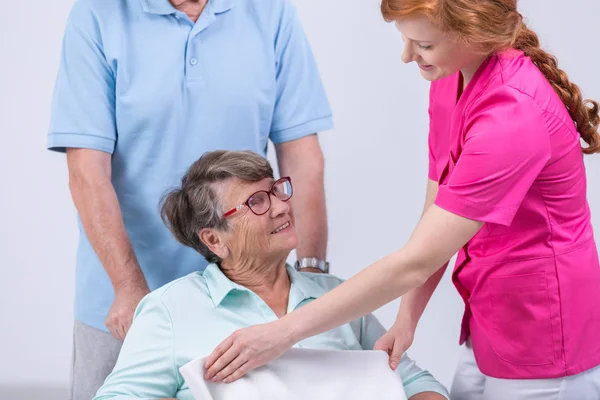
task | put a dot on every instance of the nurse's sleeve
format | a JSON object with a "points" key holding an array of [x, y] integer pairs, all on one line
{"points": [[415, 379], [301, 106], [146, 367], [506, 147], [83, 103]]}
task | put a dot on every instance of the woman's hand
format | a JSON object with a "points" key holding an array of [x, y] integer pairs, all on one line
{"points": [[395, 342], [247, 349]]}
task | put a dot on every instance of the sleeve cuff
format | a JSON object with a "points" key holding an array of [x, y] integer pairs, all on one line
{"points": [[305, 129], [478, 212], [424, 382], [61, 141], [426, 387]]}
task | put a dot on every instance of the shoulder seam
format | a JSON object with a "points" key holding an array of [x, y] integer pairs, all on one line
{"points": [[179, 382], [169, 285]]}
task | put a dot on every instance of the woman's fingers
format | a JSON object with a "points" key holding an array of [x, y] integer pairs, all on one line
{"points": [[244, 368], [250, 348], [126, 325], [221, 362], [120, 331], [385, 343], [230, 369], [396, 354], [218, 352], [394, 342]]}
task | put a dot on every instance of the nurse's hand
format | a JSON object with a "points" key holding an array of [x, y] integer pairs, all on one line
{"points": [[395, 342], [245, 350]]}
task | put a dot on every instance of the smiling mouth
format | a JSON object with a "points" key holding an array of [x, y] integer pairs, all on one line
{"points": [[282, 227]]}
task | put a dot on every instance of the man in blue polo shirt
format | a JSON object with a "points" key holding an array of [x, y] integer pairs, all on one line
{"points": [[144, 88]]}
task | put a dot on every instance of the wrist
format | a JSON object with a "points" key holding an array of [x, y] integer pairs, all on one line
{"points": [[406, 322], [313, 263], [135, 282], [289, 331]]}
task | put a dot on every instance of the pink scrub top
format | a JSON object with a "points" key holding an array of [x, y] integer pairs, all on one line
{"points": [[508, 154]]}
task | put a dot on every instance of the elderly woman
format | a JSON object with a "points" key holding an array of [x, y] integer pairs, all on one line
{"points": [[231, 210]]}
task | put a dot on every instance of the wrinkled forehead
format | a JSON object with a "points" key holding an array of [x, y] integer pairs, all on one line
{"points": [[235, 191]]}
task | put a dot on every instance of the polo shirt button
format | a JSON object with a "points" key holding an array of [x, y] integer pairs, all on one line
{"points": [[193, 61]]}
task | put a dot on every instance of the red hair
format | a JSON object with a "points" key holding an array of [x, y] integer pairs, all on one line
{"points": [[493, 25]]}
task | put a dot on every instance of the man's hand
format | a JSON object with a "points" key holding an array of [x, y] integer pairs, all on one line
{"points": [[94, 196], [120, 315]]}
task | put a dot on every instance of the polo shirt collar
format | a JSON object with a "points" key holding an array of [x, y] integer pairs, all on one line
{"points": [[219, 285], [301, 288], [164, 7], [220, 6]]}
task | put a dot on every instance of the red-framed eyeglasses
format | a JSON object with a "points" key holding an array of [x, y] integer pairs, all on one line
{"points": [[260, 202]]}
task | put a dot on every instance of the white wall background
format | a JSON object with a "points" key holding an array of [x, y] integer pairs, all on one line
{"points": [[376, 162]]}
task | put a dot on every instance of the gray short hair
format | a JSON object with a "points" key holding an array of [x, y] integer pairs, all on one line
{"points": [[196, 205]]}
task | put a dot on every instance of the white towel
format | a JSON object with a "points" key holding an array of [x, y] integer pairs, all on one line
{"points": [[305, 374]]}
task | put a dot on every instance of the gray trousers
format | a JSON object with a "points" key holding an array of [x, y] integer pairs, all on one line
{"points": [[95, 353]]}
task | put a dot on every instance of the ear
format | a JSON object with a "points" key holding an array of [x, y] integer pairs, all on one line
{"points": [[214, 241]]}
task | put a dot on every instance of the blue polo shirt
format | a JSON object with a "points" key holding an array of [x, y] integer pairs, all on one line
{"points": [[139, 80]]}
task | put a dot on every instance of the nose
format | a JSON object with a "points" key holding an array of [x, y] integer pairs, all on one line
{"points": [[279, 207], [407, 54]]}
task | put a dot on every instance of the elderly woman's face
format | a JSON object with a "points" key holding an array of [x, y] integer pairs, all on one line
{"points": [[272, 234]]}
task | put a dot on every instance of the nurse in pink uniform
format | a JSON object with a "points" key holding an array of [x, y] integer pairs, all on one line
{"points": [[507, 191]]}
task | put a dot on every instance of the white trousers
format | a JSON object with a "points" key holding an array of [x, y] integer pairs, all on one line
{"points": [[470, 384]]}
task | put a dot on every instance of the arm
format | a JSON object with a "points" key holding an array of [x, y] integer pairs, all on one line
{"points": [[98, 207], [401, 335], [388, 278], [488, 184], [301, 110], [418, 384], [83, 125], [414, 302], [146, 368], [302, 159]]}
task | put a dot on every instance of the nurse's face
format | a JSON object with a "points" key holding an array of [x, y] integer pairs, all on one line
{"points": [[437, 53]]}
